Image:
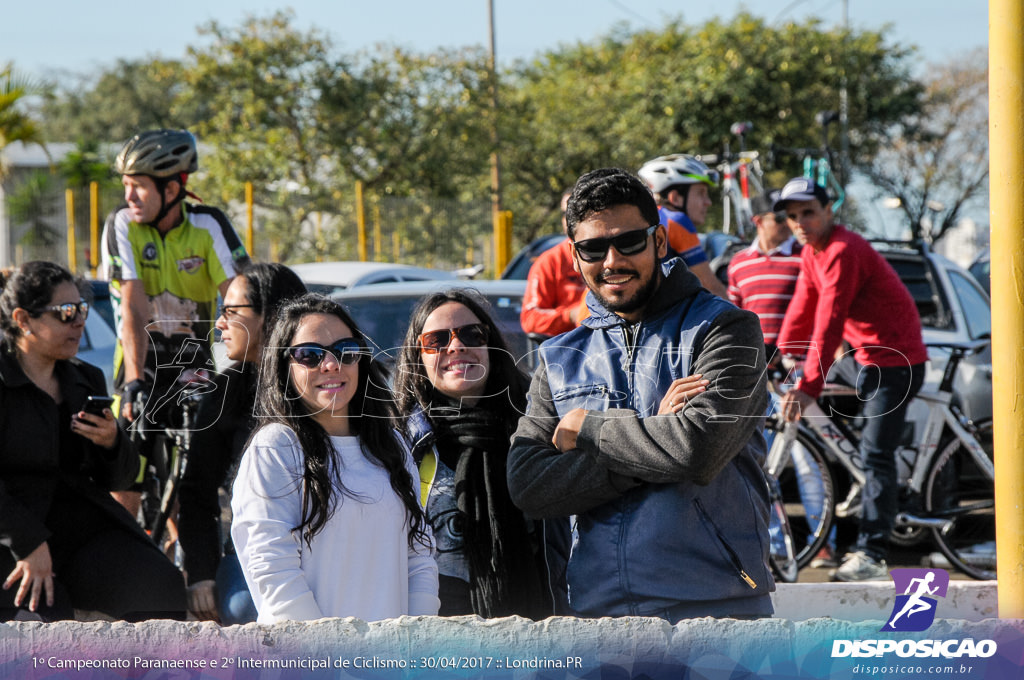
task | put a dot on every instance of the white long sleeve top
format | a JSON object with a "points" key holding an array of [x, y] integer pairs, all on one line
{"points": [[359, 564]]}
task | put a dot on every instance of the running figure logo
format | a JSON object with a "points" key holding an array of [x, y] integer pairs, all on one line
{"points": [[914, 610]]}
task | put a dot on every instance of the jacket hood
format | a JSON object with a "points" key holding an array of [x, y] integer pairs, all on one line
{"points": [[677, 283]]}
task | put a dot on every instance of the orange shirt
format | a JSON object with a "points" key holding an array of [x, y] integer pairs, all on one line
{"points": [[553, 289]]}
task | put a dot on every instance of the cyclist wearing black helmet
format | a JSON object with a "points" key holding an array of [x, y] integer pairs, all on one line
{"points": [[166, 261]]}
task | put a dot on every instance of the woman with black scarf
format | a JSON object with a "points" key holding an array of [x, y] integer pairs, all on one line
{"points": [[462, 394]]}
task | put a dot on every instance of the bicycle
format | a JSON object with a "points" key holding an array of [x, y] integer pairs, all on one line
{"points": [[168, 419], [782, 556], [742, 179], [948, 491], [817, 164]]}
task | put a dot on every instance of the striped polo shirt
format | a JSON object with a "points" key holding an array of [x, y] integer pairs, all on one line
{"points": [[763, 283]]}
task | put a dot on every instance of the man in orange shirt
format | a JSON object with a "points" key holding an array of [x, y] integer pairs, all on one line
{"points": [[554, 290]]}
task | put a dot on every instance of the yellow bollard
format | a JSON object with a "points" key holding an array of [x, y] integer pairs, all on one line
{"points": [[248, 218], [1006, 185], [69, 203], [94, 226], [361, 222]]}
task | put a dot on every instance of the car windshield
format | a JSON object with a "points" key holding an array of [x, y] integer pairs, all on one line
{"points": [[977, 312]]}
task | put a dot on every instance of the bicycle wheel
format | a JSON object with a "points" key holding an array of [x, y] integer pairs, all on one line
{"points": [[959, 490], [808, 494]]}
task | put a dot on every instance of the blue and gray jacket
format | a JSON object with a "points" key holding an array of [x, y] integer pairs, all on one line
{"points": [[671, 510]]}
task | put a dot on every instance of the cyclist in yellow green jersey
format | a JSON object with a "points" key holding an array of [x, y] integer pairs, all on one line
{"points": [[166, 260]]}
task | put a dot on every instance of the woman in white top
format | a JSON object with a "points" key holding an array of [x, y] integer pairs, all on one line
{"points": [[326, 518]]}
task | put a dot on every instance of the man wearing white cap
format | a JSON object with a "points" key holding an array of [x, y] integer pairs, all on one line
{"points": [[846, 290]]}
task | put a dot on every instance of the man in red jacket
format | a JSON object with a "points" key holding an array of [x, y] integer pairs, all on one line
{"points": [[554, 290], [847, 290]]}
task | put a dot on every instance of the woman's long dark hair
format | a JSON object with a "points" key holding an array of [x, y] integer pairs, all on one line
{"points": [[412, 387], [371, 416], [268, 286], [30, 287]]}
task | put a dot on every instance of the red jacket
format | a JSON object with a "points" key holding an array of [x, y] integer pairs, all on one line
{"points": [[848, 290], [553, 289]]}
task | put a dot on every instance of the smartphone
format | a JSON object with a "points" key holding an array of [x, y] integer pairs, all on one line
{"points": [[96, 404]]}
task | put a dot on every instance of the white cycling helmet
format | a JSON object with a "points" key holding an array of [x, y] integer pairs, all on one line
{"points": [[665, 172]]}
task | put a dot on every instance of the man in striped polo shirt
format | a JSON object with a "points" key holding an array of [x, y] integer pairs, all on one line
{"points": [[762, 278]]}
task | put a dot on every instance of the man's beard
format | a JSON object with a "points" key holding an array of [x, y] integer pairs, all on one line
{"points": [[635, 302]]}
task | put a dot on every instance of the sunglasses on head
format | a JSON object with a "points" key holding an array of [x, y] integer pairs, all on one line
{"points": [[473, 335], [628, 243], [311, 354], [69, 311]]}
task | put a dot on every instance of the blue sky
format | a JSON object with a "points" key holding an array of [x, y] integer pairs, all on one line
{"points": [[47, 37]]}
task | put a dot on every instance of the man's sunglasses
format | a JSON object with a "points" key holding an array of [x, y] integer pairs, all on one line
{"points": [[628, 243], [69, 311], [473, 335], [311, 354]]}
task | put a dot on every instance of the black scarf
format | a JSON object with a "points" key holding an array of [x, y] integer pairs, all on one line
{"points": [[504, 569]]}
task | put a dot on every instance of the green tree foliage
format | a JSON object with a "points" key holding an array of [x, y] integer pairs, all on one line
{"points": [[261, 83], [416, 127], [278, 107], [633, 96], [132, 95], [936, 161], [37, 219]]}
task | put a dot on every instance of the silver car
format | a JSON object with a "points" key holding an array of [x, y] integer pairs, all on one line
{"points": [[383, 311], [331, 277], [954, 308]]}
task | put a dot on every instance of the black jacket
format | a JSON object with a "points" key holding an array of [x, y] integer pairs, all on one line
{"points": [[223, 425], [29, 454]]}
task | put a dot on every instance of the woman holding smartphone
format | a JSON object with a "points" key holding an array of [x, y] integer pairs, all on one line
{"points": [[326, 520], [65, 543]]}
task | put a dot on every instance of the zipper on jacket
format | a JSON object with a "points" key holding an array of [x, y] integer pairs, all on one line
{"points": [[630, 333], [725, 544]]}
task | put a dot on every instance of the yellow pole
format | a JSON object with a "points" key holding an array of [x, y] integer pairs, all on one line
{"points": [[94, 226], [498, 235], [361, 222], [1006, 184], [248, 218], [69, 202], [502, 242]]}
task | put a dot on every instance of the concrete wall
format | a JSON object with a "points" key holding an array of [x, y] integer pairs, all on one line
{"points": [[797, 643], [465, 647], [967, 600]]}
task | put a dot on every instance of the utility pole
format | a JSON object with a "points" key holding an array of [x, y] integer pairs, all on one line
{"points": [[844, 108], [495, 163]]}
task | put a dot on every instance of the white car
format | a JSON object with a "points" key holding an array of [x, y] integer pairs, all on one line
{"points": [[331, 277]]}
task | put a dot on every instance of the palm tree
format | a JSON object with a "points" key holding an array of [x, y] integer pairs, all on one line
{"points": [[15, 125]]}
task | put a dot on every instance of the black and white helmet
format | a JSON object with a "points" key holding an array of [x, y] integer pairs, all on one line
{"points": [[159, 153], [665, 172]]}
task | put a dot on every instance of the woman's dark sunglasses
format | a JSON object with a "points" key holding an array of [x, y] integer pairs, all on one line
{"points": [[311, 354], [628, 243], [473, 335], [69, 311]]}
